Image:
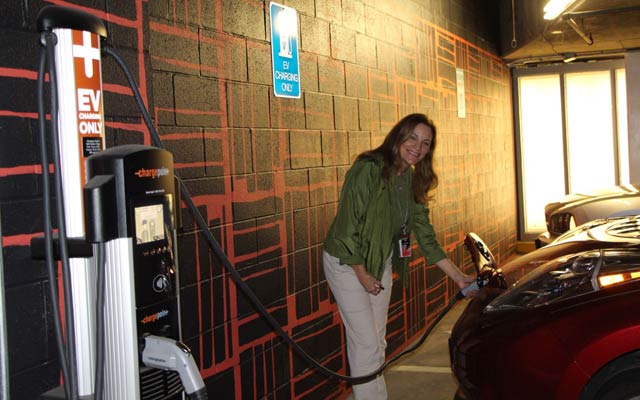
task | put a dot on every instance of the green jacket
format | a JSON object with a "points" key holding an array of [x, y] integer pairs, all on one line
{"points": [[367, 220]]}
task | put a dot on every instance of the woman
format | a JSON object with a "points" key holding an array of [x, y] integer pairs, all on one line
{"points": [[383, 200]]}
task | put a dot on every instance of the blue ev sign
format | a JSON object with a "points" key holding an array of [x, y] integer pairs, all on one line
{"points": [[284, 51]]}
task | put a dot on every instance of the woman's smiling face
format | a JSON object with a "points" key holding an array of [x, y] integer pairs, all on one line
{"points": [[416, 147]]}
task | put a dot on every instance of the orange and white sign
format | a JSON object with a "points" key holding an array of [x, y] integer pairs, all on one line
{"points": [[90, 117]]}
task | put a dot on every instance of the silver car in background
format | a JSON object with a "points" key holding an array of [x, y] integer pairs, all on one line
{"points": [[576, 209]]}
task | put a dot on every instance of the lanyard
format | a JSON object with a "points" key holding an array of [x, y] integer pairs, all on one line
{"points": [[401, 187], [403, 240]]}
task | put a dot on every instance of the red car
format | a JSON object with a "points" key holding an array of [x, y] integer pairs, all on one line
{"points": [[569, 328]]}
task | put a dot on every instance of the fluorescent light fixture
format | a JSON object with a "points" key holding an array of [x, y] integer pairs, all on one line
{"points": [[555, 8], [569, 57]]}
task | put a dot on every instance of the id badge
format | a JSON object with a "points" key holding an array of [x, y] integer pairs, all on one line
{"points": [[404, 246]]}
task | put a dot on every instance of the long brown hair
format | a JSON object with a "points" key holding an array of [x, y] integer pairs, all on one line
{"points": [[425, 178]]}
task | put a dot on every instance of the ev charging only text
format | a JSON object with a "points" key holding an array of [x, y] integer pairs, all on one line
{"points": [[89, 118], [286, 77]]}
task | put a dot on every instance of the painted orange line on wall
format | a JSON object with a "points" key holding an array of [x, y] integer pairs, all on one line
{"points": [[182, 136], [192, 66], [20, 73], [186, 12], [22, 170], [196, 112], [26, 74], [19, 240], [9, 113], [257, 273], [136, 127], [173, 30], [208, 199], [199, 300], [219, 40], [196, 164], [119, 89]]}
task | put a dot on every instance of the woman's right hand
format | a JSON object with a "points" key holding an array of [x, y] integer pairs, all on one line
{"points": [[368, 281]]}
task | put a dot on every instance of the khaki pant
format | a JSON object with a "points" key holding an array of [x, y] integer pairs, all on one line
{"points": [[365, 321]]}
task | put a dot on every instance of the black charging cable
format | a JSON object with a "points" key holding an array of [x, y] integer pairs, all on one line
{"points": [[46, 197], [213, 244], [66, 351]]}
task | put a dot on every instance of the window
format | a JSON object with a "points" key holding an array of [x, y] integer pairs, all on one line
{"points": [[541, 139], [623, 133], [571, 134], [590, 126]]}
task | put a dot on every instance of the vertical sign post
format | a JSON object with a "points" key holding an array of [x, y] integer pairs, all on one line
{"points": [[80, 134], [284, 51]]}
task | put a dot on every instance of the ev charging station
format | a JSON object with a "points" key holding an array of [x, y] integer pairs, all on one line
{"points": [[131, 206], [123, 199]]}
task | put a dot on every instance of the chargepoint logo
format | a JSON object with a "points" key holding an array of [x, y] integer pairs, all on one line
{"points": [[154, 317], [152, 173]]}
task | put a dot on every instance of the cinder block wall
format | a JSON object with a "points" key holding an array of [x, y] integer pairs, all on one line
{"points": [[266, 171]]}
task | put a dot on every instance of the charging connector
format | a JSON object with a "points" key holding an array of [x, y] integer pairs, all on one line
{"points": [[171, 355], [474, 286]]}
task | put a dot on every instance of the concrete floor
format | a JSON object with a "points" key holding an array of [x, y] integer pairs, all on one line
{"points": [[426, 373]]}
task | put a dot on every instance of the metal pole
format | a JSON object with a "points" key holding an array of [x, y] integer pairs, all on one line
{"points": [[4, 362]]}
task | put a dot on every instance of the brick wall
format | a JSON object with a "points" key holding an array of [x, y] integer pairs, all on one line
{"points": [[265, 171]]}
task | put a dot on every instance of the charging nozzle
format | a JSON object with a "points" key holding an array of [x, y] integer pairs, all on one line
{"points": [[463, 292], [171, 355]]}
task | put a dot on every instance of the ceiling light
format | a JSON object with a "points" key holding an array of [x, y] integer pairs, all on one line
{"points": [[555, 8], [568, 57]]}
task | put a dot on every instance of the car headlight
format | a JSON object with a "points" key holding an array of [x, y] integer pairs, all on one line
{"points": [[570, 276], [560, 223]]}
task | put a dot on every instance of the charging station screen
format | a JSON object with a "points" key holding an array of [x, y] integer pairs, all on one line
{"points": [[149, 223]]}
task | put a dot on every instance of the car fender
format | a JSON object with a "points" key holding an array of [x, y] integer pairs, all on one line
{"points": [[593, 357]]}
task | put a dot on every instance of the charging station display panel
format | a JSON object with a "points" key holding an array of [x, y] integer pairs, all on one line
{"points": [[153, 219], [149, 223]]}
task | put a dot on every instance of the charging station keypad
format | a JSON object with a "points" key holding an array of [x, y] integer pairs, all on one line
{"points": [[155, 275]]}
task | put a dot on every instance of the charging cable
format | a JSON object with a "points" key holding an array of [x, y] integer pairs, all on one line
{"points": [[66, 351], [213, 244]]}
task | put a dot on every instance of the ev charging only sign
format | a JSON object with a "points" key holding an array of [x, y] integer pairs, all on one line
{"points": [[284, 51]]}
